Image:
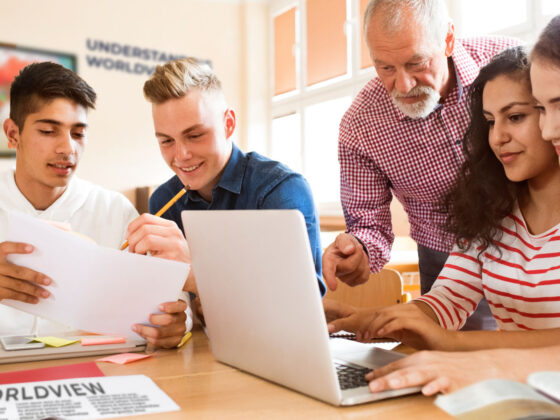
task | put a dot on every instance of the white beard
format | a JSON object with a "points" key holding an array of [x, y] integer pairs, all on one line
{"points": [[419, 109]]}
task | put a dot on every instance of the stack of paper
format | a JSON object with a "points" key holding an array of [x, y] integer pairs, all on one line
{"points": [[94, 288]]}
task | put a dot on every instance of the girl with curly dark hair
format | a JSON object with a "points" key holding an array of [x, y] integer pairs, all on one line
{"points": [[483, 194]]}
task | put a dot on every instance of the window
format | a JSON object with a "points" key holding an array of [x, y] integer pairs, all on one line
{"points": [[326, 41], [550, 7], [523, 19], [332, 64], [286, 141], [321, 62], [321, 132], [284, 59], [365, 59], [497, 15]]}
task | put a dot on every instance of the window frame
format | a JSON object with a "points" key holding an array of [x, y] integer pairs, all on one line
{"points": [[351, 83], [527, 31], [304, 96]]}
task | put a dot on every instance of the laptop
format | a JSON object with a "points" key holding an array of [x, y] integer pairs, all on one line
{"points": [[262, 306]]}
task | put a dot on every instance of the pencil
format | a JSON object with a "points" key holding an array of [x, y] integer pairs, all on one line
{"points": [[163, 209]]}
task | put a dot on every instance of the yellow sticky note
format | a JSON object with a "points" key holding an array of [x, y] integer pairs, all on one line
{"points": [[53, 341], [185, 338]]}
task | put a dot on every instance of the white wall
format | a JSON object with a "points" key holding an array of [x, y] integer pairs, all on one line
{"points": [[122, 152]]}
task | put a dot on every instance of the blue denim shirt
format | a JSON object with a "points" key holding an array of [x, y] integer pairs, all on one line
{"points": [[249, 181]]}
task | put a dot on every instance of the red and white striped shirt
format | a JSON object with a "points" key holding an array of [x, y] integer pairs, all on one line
{"points": [[520, 280], [383, 153]]}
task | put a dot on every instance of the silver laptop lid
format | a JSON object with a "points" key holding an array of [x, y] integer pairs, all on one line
{"points": [[262, 306]]}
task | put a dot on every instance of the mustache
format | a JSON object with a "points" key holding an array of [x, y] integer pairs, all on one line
{"points": [[415, 91]]}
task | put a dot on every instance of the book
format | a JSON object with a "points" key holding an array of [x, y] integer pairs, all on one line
{"points": [[502, 399]]}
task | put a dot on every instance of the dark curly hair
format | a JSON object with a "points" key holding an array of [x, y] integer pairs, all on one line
{"points": [[482, 195]]}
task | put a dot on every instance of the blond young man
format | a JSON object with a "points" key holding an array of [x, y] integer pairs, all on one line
{"points": [[194, 127]]}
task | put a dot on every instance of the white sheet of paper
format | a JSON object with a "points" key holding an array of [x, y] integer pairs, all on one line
{"points": [[94, 288], [344, 346], [385, 345], [84, 398]]}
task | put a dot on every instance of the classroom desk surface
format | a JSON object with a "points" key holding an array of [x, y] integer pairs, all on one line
{"points": [[206, 389]]}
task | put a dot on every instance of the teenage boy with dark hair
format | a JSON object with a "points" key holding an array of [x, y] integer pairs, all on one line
{"points": [[47, 127]]}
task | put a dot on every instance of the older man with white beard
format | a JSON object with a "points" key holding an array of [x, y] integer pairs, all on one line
{"points": [[402, 136]]}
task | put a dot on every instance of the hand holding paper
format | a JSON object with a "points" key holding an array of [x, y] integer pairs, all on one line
{"points": [[93, 288], [160, 237], [169, 326], [20, 283]]}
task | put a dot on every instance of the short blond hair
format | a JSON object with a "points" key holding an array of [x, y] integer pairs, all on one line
{"points": [[177, 78]]}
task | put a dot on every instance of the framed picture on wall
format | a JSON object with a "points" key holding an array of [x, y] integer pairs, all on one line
{"points": [[13, 58]]}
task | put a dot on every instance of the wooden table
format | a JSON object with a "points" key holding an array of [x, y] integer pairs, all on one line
{"points": [[206, 389]]}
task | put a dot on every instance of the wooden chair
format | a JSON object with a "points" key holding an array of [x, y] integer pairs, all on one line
{"points": [[382, 289]]}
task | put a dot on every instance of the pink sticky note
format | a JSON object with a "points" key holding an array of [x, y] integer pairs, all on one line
{"points": [[95, 341], [124, 358]]}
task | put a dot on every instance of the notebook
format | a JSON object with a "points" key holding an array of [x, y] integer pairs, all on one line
{"points": [[262, 306], [131, 345]]}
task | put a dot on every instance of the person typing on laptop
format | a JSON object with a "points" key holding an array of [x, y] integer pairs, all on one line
{"points": [[48, 127], [194, 128]]}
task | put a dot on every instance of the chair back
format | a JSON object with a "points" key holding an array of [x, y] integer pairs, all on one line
{"points": [[382, 289]]}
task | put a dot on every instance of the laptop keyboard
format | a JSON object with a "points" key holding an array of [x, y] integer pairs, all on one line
{"points": [[350, 377]]}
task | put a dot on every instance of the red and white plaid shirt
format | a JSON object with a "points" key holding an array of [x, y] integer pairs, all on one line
{"points": [[383, 153]]}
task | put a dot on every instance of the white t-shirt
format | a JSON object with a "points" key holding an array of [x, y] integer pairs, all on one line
{"points": [[93, 211]]}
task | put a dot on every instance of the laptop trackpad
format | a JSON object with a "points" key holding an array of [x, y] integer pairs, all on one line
{"points": [[362, 354]]}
